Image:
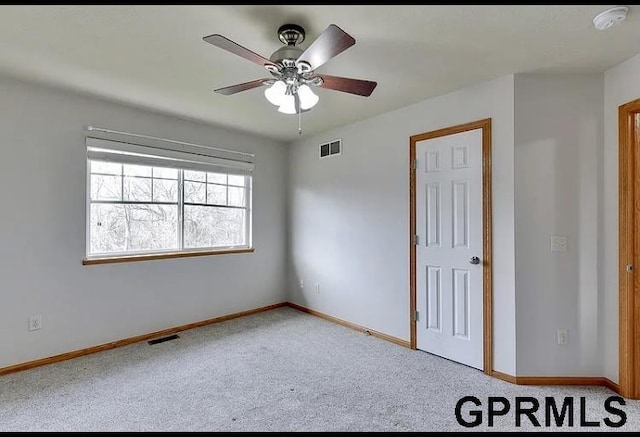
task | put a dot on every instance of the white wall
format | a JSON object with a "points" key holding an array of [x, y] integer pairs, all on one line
{"points": [[349, 215], [558, 150], [621, 85], [42, 232]]}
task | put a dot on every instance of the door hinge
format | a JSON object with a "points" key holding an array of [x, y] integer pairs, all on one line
{"points": [[417, 316], [415, 239], [414, 164]]}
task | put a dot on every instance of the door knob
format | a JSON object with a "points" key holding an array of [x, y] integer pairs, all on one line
{"points": [[474, 260]]}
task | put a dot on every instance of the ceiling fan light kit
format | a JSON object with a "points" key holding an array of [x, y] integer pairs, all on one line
{"points": [[276, 92], [293, 69], [308, 98], [288, 105]]}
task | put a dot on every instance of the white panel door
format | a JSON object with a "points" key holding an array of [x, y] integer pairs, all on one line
{"points": [[449, 228]]}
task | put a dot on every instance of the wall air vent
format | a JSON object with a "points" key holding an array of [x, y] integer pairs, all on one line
{"points": [[333, 147]]}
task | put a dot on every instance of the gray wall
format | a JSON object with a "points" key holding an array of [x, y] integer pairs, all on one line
{"points": [[621, 85], [349, 214], [42, 230], [558, 156]]}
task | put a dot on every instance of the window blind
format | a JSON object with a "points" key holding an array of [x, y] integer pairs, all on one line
{"points": [[172, 156]]}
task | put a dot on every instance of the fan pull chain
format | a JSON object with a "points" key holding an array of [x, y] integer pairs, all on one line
{"points": [[299, 121]]}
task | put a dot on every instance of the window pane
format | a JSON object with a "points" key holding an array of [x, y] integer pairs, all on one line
{"points": [[166, 173], [107, 228], [217, 178], [106, 187], [106, 167], [216, 194], [236, 180], [236, 196], [152, 227], [194, 192], [125, 228], [198, 176], [137, 189], [165, 190], [208, 226], [137, 170]]}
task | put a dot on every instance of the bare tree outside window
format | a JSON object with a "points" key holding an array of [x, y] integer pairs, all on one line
{"points": [[141, 209]]}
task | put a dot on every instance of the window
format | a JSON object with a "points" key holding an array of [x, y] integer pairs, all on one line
{"points": [[150, 200]]}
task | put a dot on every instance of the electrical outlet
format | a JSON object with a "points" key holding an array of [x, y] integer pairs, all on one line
{"points": [[317, 288], [562, 336], [558, 243], [35, 323], [301, 284]]}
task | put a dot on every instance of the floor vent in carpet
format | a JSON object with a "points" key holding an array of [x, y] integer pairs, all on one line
{"points": [[163, 339]]}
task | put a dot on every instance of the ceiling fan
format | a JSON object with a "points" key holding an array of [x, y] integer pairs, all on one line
{"points": [[293, 69]]}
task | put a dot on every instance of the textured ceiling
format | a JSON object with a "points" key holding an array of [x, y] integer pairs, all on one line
{"points": [[153, 56]]}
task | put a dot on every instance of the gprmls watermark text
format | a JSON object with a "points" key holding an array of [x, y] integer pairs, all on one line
{"points": [[471, 411]]}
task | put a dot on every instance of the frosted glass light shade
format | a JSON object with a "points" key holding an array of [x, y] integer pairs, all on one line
{"points": [[275, 93], [288, 105], [307, 97]]}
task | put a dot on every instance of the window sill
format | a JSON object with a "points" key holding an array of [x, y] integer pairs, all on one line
{"points": [[154, 256]]}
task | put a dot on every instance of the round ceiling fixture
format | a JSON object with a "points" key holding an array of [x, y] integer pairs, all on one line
{"points": [[610, 17]]}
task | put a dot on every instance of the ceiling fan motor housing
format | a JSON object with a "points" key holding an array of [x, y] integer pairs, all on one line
{"points": [[286, 55], [291, 35]]}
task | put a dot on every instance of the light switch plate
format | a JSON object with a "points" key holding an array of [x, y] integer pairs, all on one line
{"points": [[558, 243]]}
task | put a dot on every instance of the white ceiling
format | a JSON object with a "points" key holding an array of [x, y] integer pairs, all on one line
{"points": [[153, 56]]}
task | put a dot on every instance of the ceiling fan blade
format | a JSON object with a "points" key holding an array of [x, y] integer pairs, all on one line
{"points": [[330, 43], [227, 91], [347, 85], [237, 49]]}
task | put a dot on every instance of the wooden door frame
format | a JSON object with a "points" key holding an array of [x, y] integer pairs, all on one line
{"points": [[629, 252], [487, 286]]}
